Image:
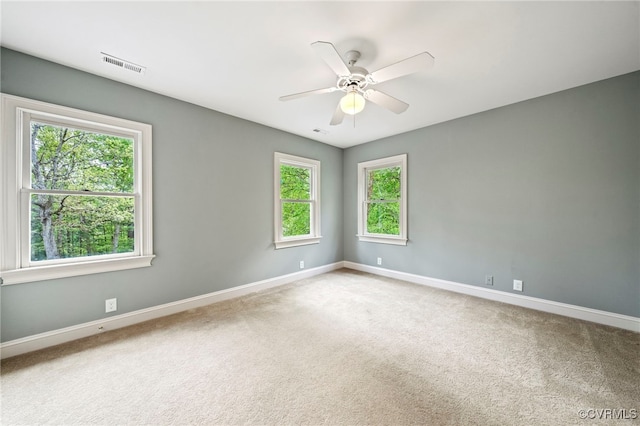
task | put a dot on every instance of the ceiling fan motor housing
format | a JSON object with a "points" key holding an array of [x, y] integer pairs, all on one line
{"points": [[358, 78]]}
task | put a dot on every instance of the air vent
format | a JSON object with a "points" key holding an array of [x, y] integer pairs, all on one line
{"points": [[121, 63]]}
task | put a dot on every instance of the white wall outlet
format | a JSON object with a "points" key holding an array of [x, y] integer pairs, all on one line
{"points": [[517, 285], [111, 305], [488, 280], [379, 261], [302, 264]]}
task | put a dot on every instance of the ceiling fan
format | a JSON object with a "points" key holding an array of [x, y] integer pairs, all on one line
{"points": [[355, 81]]}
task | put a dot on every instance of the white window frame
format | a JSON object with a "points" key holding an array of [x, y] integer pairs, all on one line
{"points": [[314, 235], [15, 263], [382, 163]]}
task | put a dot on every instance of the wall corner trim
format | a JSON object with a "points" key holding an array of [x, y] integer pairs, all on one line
{"points": [[573, 311], [67, 334]]}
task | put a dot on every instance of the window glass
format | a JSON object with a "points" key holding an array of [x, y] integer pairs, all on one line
{"points": [[383, 218], [66, 226], [295, 182], [296, 219], [65, 158], [383, 196]]}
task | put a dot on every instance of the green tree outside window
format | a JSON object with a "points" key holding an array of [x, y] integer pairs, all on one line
{"points": [[78, 161], [295, 193], [383, 201]]}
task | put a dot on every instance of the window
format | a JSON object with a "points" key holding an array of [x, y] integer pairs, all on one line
{"points": [[297, 200], [76, 192], [382, 200]]}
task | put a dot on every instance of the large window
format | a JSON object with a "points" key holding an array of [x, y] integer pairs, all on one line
{"points": [[382, 200], [297, 200], [76, 192]]}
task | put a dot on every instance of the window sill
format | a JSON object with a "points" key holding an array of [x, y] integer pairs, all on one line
{"points": [[50, 272], [297, 242], [398, 241]]}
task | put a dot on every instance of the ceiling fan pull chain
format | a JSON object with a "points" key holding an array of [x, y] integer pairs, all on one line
{"points": [[354, 113], [353, 95]]}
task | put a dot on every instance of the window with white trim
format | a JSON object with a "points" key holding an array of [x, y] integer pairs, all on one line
{"points": [[296, 200], [75, 192], [382, 200]]}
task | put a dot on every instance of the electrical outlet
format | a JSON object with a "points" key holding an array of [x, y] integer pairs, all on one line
{"points": [[379, 261], [302, 264], [488, 280], [517, 285], [111, 305]]}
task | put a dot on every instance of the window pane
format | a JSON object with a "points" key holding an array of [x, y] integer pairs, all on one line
{"points": [[64, 226], [296, 219], [383, 184], [383, 218], [295, 183], [64, 158]]}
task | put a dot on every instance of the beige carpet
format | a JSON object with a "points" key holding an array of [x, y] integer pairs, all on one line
{"points": [[341, 348]]}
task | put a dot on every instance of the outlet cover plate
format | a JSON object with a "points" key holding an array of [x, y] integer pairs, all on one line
{"points": [[517, 285], [488, 280], [111, 305]]}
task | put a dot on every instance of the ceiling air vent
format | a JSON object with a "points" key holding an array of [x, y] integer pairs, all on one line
{"points": [[121, 63]]}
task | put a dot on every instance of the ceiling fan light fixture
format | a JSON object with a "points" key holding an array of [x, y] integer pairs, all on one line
{"points": [[352, 103]]}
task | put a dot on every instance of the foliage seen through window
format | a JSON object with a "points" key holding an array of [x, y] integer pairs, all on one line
{"points": [[383, 201], [295, 193], [66, 225]]}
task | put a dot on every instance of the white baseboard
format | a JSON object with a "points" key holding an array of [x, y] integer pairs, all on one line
{"points": [[63, 335], [56, 337], [601, 317]]}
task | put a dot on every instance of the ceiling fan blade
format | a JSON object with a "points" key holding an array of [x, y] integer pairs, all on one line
{"points": [[386, 101], [310, 92], [338, 116], [330, 55], [407, 66]]}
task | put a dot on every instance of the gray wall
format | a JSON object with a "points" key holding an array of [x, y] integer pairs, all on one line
{"points": [[547, 191], [213, 202]]}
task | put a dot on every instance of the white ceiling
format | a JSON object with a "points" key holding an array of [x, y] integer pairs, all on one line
{"points": [[239, 57]]}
